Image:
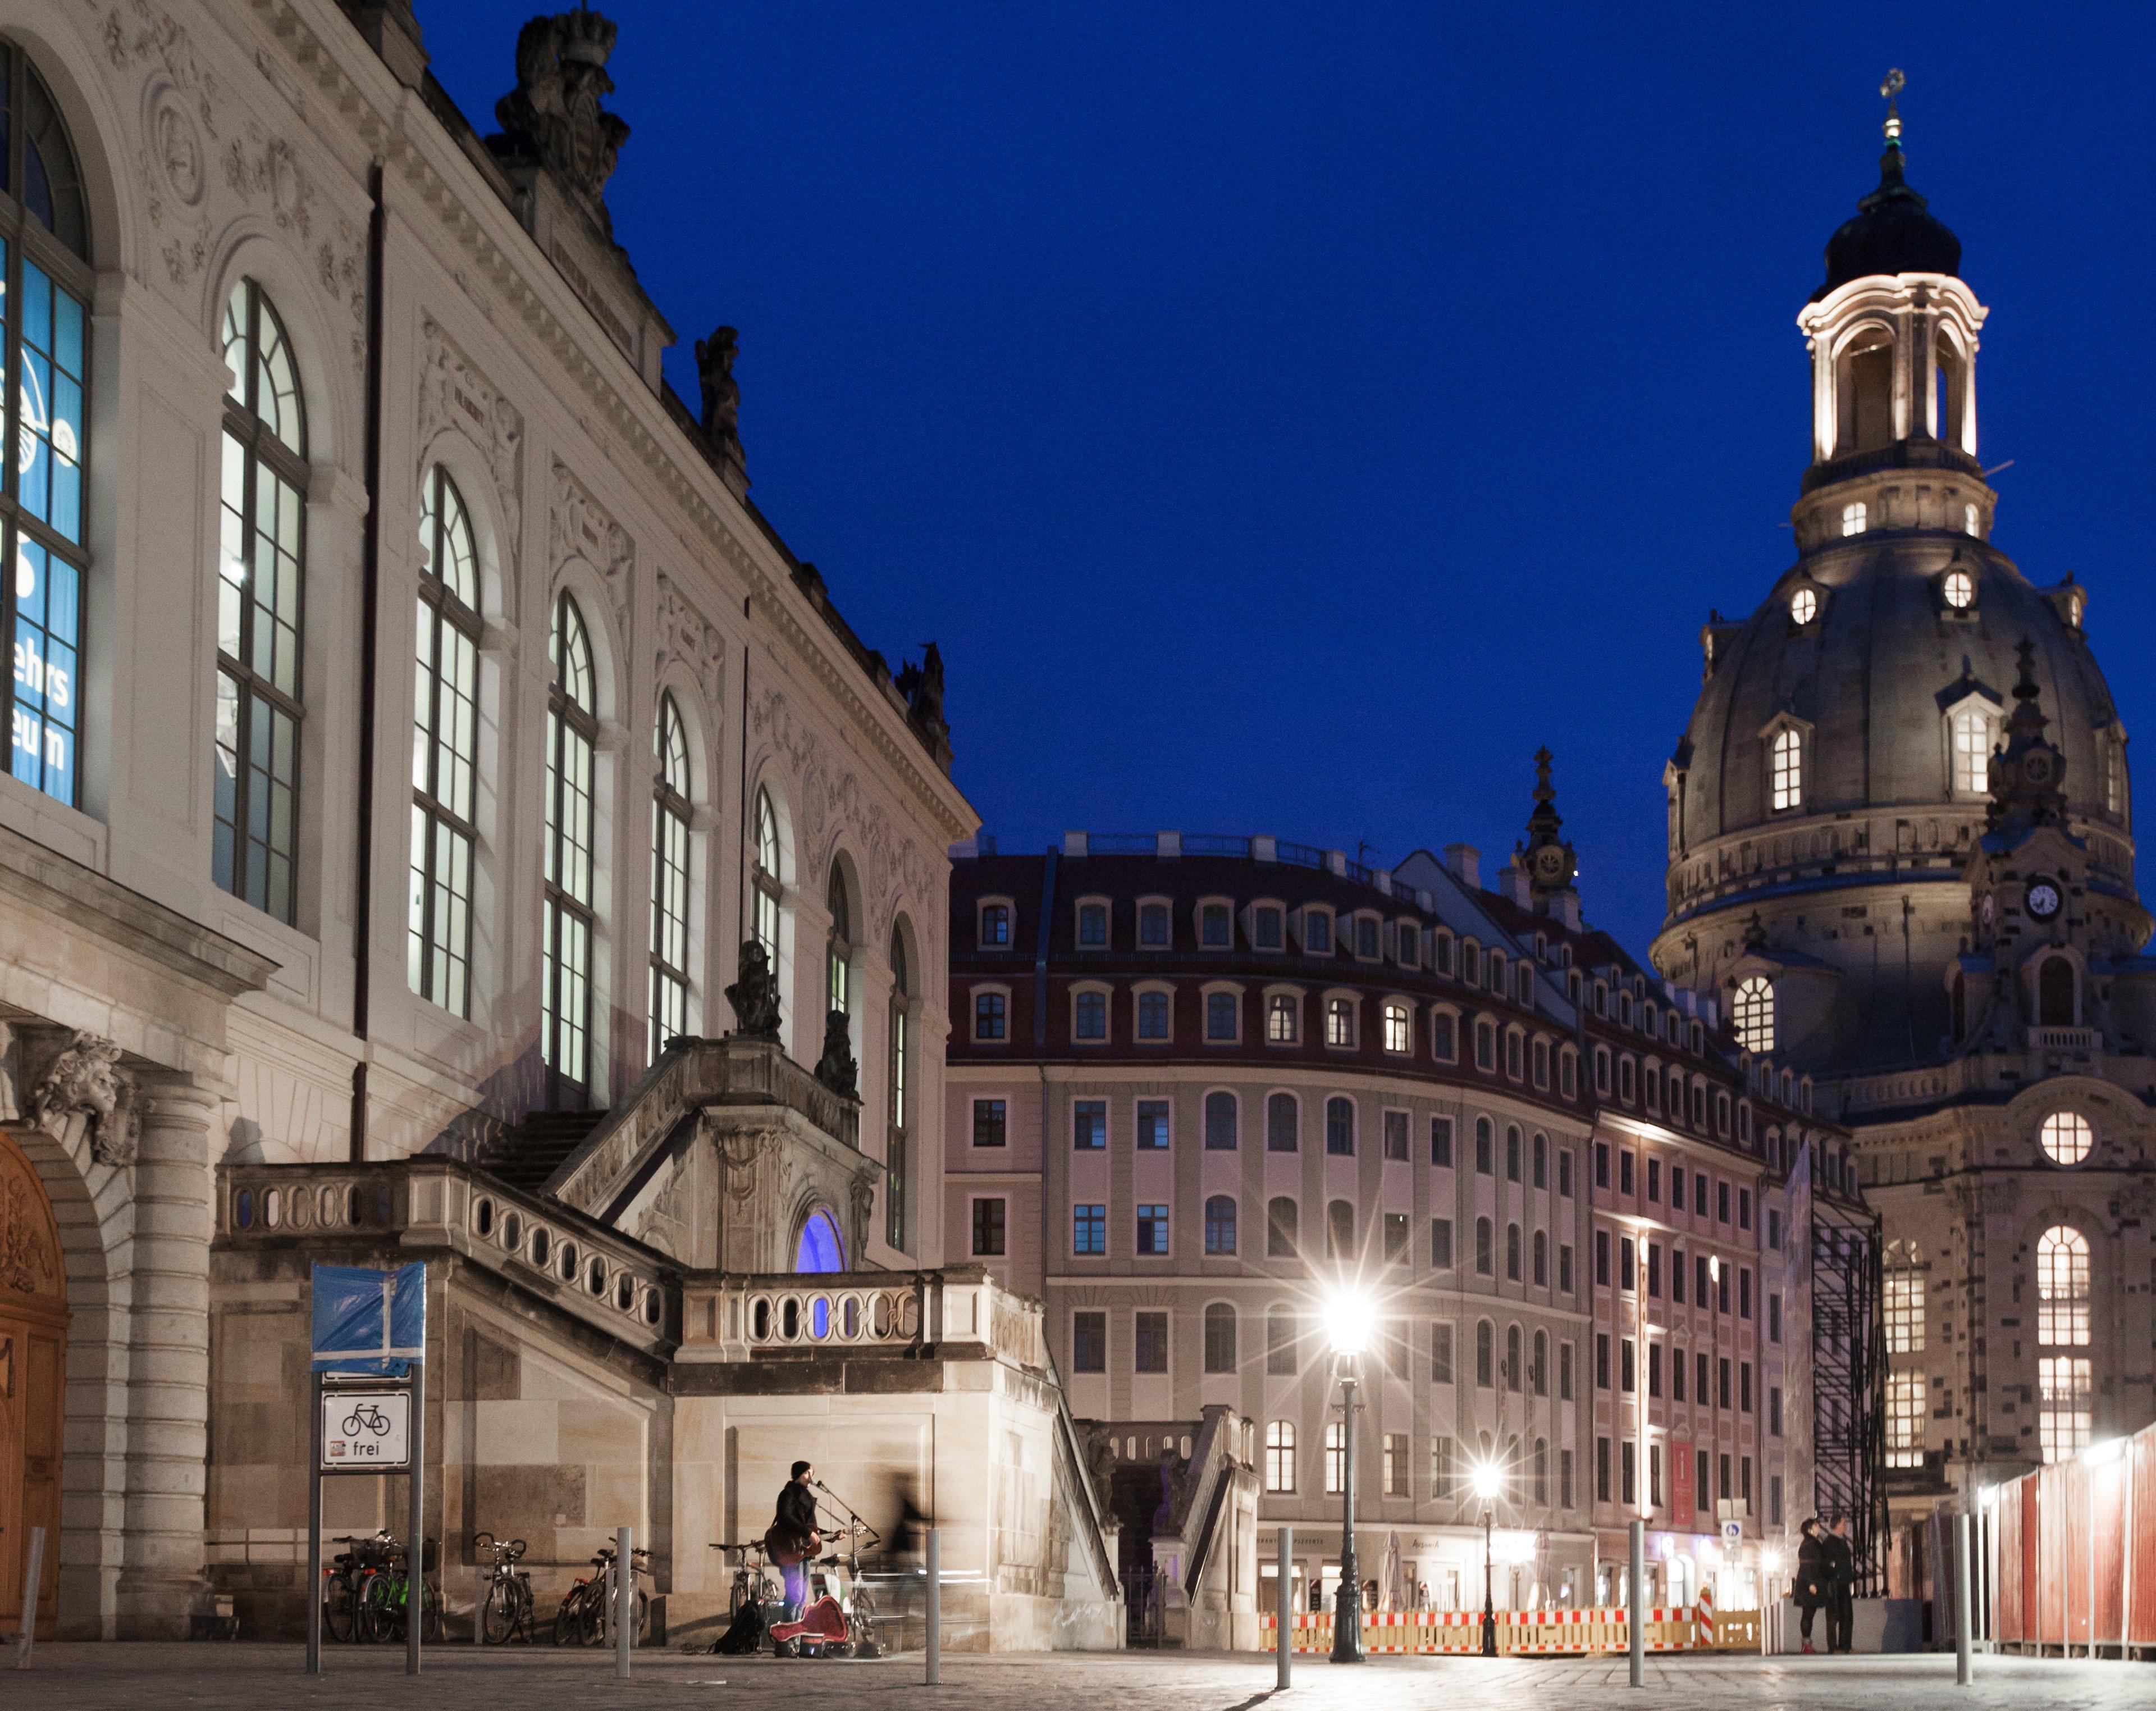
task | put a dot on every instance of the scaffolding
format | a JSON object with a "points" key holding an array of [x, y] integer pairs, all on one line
{"points": [[1849, 1381]]}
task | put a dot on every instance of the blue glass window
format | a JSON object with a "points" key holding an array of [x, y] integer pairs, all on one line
{"points": [[820, 1248], [1089, 1230]]}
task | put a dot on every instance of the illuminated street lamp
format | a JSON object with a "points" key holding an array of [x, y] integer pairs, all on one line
{"points": [[1348, 1317], [1486, 1487]]}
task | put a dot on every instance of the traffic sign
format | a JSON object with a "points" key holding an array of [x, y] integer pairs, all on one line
{"points": [[1732, 1534], [365, 1431]]}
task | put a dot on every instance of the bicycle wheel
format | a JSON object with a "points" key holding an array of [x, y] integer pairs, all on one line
{"points": [[340, 1608], [373, 1623], [431, 1605], [498, 1619], [642, 1632], [568, 1620]]}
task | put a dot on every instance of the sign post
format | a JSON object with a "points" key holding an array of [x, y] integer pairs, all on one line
{"points": [[1284, 1610], [370, 1399]]}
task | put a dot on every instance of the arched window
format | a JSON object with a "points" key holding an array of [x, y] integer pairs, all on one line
{"points": [[1486, 1353], [1282, 1219], [1972, 738], [1904, 1299], [1340, 1128], [1511, 1153], [2062, 1287], [1221, 1126], [1538, 1374], [1220, 1224], [261, 565], [1864, 382], [820, 1248], [768, 879], [1542, 1259], [1787, 779], [1340, 1231], [2055, 993], [2066, 1137], [45, 285], [573, 729], [1513, 1357], [1282, 1334], [1280, 1124], [1541, 1470], [898, 1135], [1485, 1240], [1512, 1252], [1753, 1011], [444, 751], [1220, 1338], [669, 876], [838, 948]]}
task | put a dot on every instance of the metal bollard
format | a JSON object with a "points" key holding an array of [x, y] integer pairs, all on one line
{"points": [[1284, 1606], [1964, 1664], [1638, 1592], [624, 1602], [935, 1612], [32, 1573]]}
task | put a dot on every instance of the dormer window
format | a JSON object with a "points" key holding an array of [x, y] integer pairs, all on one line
{"points": [[1152, 926], [1785, 768], [1214, 930], [1804, 605], [995, 926], [1853, 517], [1410, 942], [1754, 1014], [1267, 920], [1366, 938], [1972, 731], [1093, 925], [1958, 588], [1316, 932]]}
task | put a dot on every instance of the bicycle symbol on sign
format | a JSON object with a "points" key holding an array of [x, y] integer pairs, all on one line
{"points": [[367, 1416]]}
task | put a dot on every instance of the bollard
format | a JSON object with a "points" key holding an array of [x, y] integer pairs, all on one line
{"points": [[479, 1598], [1964, 1666], [624, 1602], [32, 1573], [1283, 1603], [935, 1611], [1638, 1593]]}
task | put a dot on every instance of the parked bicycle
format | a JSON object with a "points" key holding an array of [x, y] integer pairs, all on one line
{"points": [[586, 1617], [345, 1583], [367, 1592], [506, 1609]]}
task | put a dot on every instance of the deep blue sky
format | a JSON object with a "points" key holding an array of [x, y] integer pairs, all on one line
{"points": [[1287, 417]]}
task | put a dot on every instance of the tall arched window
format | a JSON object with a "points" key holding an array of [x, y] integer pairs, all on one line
{"points": [[1484, 1260], [1220, 1338], [1513, 1357], [2055, 993], [669, 876], [1282, 1217], [838, 948], [1340, 1231], [1904, 1281], [1280, 1124], [45, 285], [1486, 1353], [262, 559], [1538, 1374], [573, 729], [1972, 741], [1221, 1122], [1220, 1224], [444, 751], [1753, 1011], [2065, 1383], [768, 879], [897, 1138], [1788, 770]]}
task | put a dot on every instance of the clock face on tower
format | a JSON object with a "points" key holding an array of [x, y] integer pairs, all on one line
{"points": [[1549, 864], [2045, 900]]}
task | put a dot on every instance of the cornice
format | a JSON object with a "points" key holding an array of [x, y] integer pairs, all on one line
{"points": [[632, 411]]}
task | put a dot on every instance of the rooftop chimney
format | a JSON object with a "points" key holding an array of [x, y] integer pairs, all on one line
{"points": [[1466, 862]]}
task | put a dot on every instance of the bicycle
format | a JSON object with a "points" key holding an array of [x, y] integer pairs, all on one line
{"points": [[586, 1617], [366, 1416], [386, 1593], [345, 1583], [507, 1607]]}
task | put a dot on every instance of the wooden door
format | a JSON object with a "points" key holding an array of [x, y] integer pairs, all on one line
{"points": [[33, 1365]]}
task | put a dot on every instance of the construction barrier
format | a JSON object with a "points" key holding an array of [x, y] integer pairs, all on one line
{"points": [[1528, 1633], [2072, 1551]]}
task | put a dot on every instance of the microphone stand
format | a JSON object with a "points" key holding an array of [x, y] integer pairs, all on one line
{"points": [[856, 1526]]}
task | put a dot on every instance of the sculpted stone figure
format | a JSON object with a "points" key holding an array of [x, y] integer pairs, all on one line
{"points": [[714, 376], [86, 1079], [754, 994], [553, 115], [836, 1069], [923, 686]]}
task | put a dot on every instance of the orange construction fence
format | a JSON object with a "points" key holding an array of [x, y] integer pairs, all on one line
{"points": [[2071, 1549], [1529, 1632]]}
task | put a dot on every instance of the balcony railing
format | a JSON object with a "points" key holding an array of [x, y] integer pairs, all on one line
{"points": [[855, 1314], [2077, 1040]]}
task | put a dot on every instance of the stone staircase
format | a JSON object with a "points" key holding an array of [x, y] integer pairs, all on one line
{"points": [[524, 1157]]}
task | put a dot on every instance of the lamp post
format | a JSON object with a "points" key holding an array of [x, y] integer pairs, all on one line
{"points": [[1348, 1326], [1486, 1487]]}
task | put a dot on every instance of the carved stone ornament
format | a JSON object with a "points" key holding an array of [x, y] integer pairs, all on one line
{"points": [[836, 1068], [85, 1080], [581, 531], [754, 994], [453, 393], [554, 114], [740, 1150], [686, 636]]}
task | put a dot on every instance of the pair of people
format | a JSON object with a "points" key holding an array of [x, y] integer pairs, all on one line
{"points": [[1826, 1576]]}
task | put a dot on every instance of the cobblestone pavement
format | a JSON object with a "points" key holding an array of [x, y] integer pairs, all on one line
{"points": [[124, 1677]]}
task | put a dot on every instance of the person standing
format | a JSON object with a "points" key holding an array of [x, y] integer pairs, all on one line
{"points": [[1810, 1588], [793, 1540], [1838, 1560]]}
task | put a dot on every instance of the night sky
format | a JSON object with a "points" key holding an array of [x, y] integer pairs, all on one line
{"points": [[1286, 418]]}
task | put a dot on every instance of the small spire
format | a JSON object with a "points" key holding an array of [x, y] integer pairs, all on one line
{"points": [[1548, 859], [1894, 84]]}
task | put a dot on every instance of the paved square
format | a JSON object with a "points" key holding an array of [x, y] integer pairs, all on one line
{"points": [[116, 1677]]}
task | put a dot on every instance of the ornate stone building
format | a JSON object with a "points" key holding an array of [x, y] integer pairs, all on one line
{"points": [[415, 727], [1901, 849]]}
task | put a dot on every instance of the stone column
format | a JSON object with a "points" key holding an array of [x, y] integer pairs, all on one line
{"points": [[161, 1579]]}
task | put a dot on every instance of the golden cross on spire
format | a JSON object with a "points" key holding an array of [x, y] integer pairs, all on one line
{"points": [[1894, 84]]}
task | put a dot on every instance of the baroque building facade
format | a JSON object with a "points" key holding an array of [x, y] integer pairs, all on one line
{"points": [[1901, 848], [415, 728], [1203, 1090]]}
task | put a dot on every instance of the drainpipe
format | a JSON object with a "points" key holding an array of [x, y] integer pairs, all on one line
{"points": [[370, 573]]}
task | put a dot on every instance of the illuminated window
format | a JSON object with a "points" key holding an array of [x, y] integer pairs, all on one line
{"points": [[766, 882], [669, 877], [2114, 776], [1788, 779], [1852, 518], [444, 753], [1336, 1458], [838, 948], [568, 920], [1339, 1021], [2065, 1385], [1960, 588], [1279, 1018], [1968, 519], [1396, 1037], [1905, 1420], [1973, 740], [1280, 1455], [1754, 1014], [1905, 1299], [1803, 606], [2066, 1137], [2062, 1287]]}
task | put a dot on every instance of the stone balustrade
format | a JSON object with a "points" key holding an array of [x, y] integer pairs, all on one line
{"points": [[859, 1315]]}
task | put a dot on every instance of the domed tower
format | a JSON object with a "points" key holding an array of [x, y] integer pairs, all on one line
{"points": [[1833, 784]]}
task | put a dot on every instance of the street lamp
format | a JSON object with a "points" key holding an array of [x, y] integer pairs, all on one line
{"points": [[1348, 1317], [1486, 1487]]}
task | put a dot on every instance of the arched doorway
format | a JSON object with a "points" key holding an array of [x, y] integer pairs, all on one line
{"points": [[819, 1247], [33, 1361]]}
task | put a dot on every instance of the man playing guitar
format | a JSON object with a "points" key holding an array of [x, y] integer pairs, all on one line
{"points": [[794, 1541]]}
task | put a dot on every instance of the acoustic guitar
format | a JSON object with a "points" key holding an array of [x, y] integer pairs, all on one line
{"points": [[791, 1550]]}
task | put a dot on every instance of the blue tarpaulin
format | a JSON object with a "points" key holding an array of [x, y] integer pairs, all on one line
{"points": [[370, 1322]]}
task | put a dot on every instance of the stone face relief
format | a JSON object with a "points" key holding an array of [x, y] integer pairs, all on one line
{"points": [[83, 1079]]}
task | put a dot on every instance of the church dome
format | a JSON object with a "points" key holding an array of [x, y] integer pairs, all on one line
{"points": [[1891, 232]]}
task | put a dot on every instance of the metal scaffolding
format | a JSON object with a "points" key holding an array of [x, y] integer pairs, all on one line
{"points": [[1849, 1381]]}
